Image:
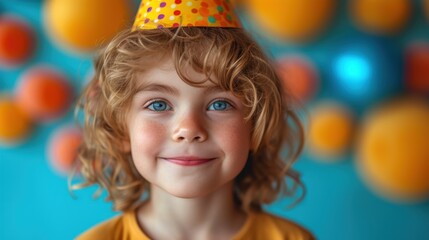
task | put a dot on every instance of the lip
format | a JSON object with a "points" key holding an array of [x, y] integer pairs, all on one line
{"points": [[188, 160]]}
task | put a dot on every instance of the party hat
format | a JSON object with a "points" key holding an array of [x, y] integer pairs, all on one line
{"points": [[154, 14]]}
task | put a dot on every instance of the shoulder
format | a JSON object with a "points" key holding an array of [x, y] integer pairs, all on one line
{"points": [[103, 230], [267, 226], [124, 226]]}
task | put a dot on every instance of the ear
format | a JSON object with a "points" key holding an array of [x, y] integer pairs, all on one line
{"points": [[125, 146], [252, 147]]}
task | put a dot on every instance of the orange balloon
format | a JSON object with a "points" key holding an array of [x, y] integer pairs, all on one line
{"points": [[393, 150], [44, 94], [331, 131], [298, 76], [293, 20], [14, 123], [84, 25], [16, 41], [63, 148], [381, 16]]}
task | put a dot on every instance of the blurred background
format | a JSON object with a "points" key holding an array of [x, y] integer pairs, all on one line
{"points": [[358, 71]]}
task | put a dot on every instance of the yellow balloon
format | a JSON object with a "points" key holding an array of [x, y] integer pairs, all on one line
{"points": [[293, 20], [84, 25], [381, 16], [14, 123], [330, 133], [393, 150]]}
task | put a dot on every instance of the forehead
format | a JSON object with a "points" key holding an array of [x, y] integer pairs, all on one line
{"points": [[165, 72]]}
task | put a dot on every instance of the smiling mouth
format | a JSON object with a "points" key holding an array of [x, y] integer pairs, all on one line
{"points": [[188, 161]]}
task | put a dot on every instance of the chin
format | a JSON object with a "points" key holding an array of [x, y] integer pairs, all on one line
{"points": [[190, 193]]}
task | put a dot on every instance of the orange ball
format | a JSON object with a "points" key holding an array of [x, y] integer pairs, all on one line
{"points": [[426, 8], [15, 125], [293, 20], [44, 94], [84, 25], [417, 67], [298, 76], [331, 131], [63, 149], [16, 41], [393, 150], [381, 16]]}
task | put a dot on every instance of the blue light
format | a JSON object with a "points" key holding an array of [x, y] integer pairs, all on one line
{"points": [[354, 73]]}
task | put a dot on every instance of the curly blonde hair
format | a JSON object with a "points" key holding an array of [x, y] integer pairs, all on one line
{"points": [[240, 66]]}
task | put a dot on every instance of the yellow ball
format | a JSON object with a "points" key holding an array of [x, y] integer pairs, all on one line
{"points": [[83, 25], [293, 20], [331, 129], [381, 16], [14, 123], [393, 150]]}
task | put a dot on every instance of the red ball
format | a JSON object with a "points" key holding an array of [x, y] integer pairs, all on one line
{"points": [[299, 77], [417, 67], [63, 149], [44, 94], [17, 41]]}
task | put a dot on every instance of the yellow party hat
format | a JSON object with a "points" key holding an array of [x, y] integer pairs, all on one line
{"points": [[155, 14]]}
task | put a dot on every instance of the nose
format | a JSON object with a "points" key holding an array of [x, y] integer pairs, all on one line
{"points": [[190, 128]]}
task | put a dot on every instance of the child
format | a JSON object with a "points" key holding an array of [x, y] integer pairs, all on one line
{"points": [[184, 123]]}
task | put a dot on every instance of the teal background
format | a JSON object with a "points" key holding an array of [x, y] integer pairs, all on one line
{"points": [[36, 204]]}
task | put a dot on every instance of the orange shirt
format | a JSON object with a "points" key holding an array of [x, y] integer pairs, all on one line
{"points": [[257, 226]]}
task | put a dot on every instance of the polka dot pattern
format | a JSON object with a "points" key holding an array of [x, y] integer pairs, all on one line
{"points": [[156, 14]]}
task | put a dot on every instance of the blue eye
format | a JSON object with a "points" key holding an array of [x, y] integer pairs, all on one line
{"points": [[159, 106], [219, 106]]}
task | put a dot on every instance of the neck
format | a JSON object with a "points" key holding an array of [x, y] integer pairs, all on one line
{"points": [[191, 218]]}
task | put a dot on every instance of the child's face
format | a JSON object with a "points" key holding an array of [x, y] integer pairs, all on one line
{"points": [[186, 140]]}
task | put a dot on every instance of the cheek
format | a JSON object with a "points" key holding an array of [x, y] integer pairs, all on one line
{"points": [[146, 139], [149, 130], [235, 137]]}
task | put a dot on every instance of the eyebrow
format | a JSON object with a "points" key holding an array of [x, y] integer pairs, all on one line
{"points": [[171, 90], [158, 88], [213, 89]]}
